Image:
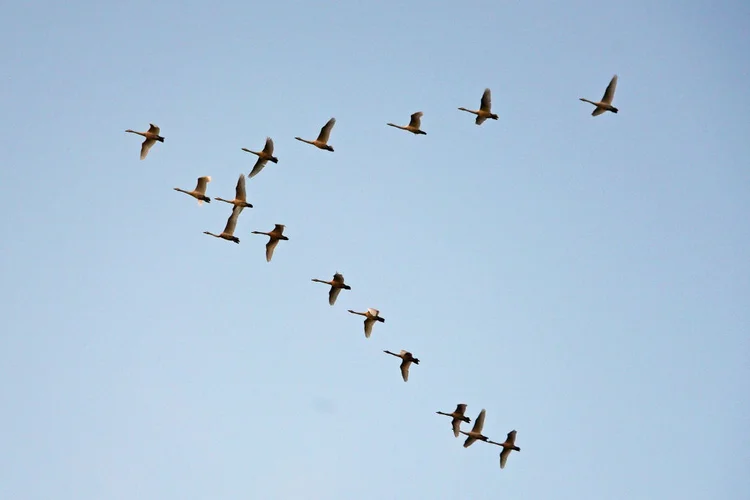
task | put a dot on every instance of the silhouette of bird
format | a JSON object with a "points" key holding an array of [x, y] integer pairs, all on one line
{"points": [[606, 103]]}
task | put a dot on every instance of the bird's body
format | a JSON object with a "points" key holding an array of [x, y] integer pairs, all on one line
{"points": [[406, 360], [240, 196], [458, 416], [151, 135], [273, 239], [325, 133], [228, 233], [508, 446], [414, 124], [476, 432], [371, 316], [263, 157], [337, 284], [199, 193], [485, 108], [606, 103]]}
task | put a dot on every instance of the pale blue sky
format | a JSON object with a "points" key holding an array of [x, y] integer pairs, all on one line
{"points": [[586, 280]]}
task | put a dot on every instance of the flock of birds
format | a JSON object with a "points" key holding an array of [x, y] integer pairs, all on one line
{"points": [[337, 284]]}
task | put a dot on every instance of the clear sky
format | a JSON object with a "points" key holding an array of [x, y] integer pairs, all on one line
{"points": [[586, 280]]}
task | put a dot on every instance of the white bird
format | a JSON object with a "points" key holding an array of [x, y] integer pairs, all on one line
{"points": [[240, 196], [406, 360], [263, 157], [273, 239], [322, 140], [458, 416], [476, 431], [508, 446], [337, 284], [199, 193], [371, 316], [151, 135], [228, 233], [414, 124], [606, 103], [485, 108]]}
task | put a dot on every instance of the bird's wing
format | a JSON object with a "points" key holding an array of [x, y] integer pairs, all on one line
{"points": [[486, 100], [597, 111], [609, 94], [153, 129], [232, 221], [146, 146], [240, 189], [368, 326], [504, 457], [258, 167], [511, 437], [460, 408], [279, 228], [325, 132], [416, 121], [338, 278], [480, 120], [479, 422], [405, 370], [270, 247], [456, 426], [268, 148], [469, 441], [373, 312], [333, 294], [202, 183]]}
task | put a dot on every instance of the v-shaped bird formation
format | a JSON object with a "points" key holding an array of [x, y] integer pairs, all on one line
{"points": [[337, 283]]}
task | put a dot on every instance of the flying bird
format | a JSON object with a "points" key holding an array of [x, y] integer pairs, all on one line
{"points": [[263, 157], [476, 431], [606, 103], [458, 416], [508, 446], [337, 284], [240, 196], [414, 124], [228, 233], [371, 316], [485, 108], [406, 360], [199, 193], [151, 135], [322, 140], [273, 239]]}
